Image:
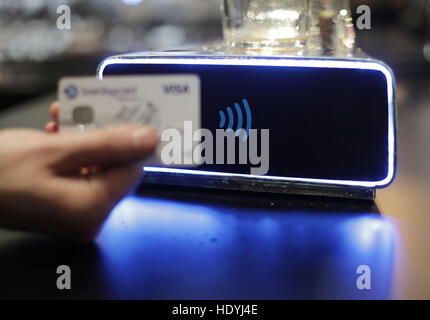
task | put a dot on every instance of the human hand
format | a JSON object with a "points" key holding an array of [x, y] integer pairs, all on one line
{"points": [[67, 184]]}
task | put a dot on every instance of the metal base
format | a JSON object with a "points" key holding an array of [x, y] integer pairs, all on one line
{"points": [[260, 185]]}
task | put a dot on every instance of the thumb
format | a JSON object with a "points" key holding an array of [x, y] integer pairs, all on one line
{"points": [[111, 147]]}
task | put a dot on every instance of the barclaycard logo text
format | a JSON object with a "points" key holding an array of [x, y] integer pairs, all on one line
{"points": [[71, 91], [120, 92]]}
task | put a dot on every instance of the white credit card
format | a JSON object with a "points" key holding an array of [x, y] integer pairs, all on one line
{"points": [[158, 101]]}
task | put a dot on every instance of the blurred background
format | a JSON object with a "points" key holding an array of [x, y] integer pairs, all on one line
{"points": [[34, 54]]}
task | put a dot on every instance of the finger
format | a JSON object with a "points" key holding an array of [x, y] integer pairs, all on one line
{"points": [[54, 110], [117, 146], [51, 127]]}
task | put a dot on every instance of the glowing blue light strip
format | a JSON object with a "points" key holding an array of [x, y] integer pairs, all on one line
{"points": [[279, 62]]}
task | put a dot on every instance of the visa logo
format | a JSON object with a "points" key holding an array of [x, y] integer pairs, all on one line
{"points": [[176, 89]]}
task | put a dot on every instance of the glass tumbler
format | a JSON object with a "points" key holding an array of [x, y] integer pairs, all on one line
{"points": [[266, 23], [333, 18]]}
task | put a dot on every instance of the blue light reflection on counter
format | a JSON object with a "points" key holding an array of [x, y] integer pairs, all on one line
{"points": [[171, 249]]}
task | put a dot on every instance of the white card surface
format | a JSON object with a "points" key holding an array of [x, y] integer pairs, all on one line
{"points": [[158, 101]]}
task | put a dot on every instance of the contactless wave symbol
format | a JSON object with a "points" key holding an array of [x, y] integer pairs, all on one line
{"points": [[240, 119]]}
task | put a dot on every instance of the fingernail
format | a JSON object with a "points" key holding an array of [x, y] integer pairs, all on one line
{"points": [[143, 138]]}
